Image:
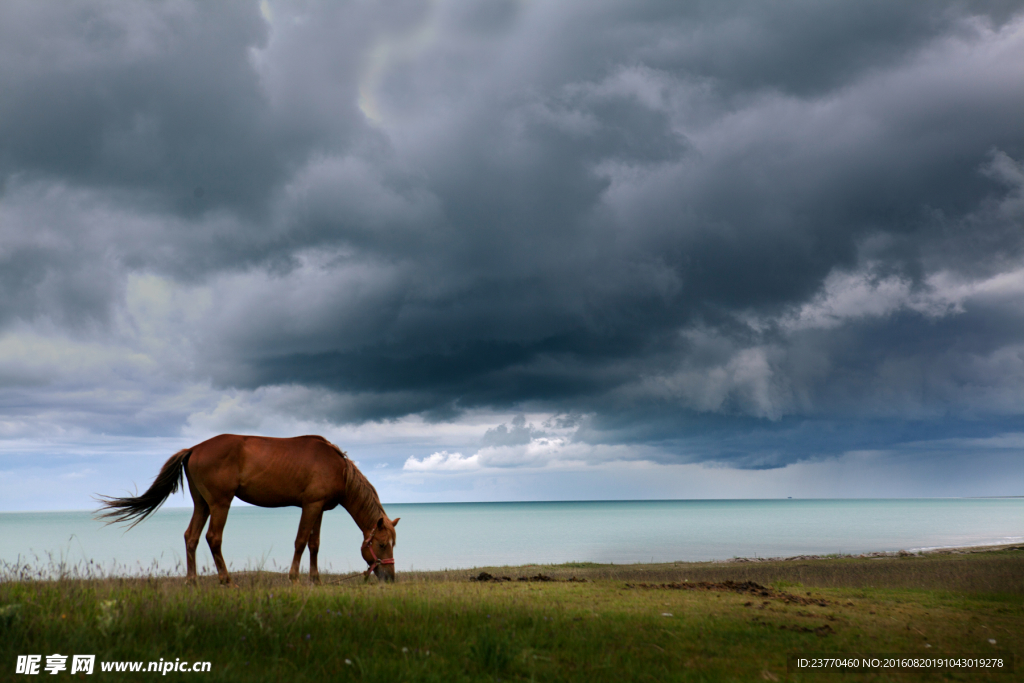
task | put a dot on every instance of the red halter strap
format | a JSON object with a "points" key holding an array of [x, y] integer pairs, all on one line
{"points": [[376, 560]]}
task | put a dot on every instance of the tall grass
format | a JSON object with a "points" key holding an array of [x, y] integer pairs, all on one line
{"points": [[441, 626]]}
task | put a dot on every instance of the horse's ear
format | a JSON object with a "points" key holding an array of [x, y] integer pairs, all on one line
{"points": [[394, 522], [380, 523]]}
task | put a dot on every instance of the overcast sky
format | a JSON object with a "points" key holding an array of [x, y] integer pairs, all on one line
{"points": [[516, 249]]}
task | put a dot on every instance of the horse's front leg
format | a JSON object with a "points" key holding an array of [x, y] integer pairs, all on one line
{"points": [[314, 548], [311, 515]]}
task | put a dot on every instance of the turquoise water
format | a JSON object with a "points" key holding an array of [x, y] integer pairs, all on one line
{"points": [[463, 535]]}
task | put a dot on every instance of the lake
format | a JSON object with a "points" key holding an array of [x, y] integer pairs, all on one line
{"points": [[464, 535]]}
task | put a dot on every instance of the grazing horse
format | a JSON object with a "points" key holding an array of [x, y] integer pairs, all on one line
{"points": [[306, 471]]}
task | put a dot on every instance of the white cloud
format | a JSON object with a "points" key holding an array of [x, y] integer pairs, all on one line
{"points": [[847, 296], [442, 461], [544, 453], [992, 469]]}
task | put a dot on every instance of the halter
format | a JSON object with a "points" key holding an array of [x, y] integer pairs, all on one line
{"points": [[376, 560]]}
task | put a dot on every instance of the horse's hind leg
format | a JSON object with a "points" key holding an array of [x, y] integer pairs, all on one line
{"points": [[214, 535], [195, 529], [310, 516]]}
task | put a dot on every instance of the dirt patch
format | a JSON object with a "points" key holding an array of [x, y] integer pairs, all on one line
{"points": [[744, 588], [485, 577], [490, 578], [821, 631]]}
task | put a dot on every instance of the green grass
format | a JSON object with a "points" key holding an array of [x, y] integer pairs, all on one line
{"points": [[440, 626]]}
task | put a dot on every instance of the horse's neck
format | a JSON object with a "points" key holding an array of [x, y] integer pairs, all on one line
{"points": [[361, 499], [364, 517]]}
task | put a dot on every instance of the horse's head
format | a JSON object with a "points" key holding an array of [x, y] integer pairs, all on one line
{"points": [[379, 548]]}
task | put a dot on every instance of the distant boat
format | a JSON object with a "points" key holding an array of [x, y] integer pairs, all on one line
{"points": [[789, 497]]}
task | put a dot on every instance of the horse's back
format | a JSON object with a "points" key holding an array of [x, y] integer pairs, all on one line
{"points": [[267, 471], [226, 446]]}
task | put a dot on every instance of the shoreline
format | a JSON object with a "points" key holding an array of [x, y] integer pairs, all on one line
{"points": [[944, 550], [991, 568], [15, 572]]}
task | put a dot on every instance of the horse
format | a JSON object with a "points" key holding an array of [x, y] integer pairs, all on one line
{"points": [[308, 472]]}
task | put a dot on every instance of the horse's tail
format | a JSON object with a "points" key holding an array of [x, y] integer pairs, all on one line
{"points": [[139, 507]]}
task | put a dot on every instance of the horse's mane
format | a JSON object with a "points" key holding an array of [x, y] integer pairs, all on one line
{"points": [[361, 499]]}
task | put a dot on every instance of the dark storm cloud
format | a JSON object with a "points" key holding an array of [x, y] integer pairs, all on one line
{"points": [[803, 48], [691, 223], [159, 98]]}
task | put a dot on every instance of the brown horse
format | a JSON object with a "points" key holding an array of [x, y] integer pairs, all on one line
{"points": [[306, 471]]}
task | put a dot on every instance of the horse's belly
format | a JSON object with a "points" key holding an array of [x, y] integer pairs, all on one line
{"points": [[265, 499], [270, 492]]}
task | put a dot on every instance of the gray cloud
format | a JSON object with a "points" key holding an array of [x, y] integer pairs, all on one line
{"points": [[708, 227], [519, 434]]}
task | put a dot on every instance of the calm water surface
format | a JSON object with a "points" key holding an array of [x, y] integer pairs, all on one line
{"points": [[462, 535]]}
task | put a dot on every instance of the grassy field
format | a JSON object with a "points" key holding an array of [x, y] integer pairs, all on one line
{"points": [[673, 622]]}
